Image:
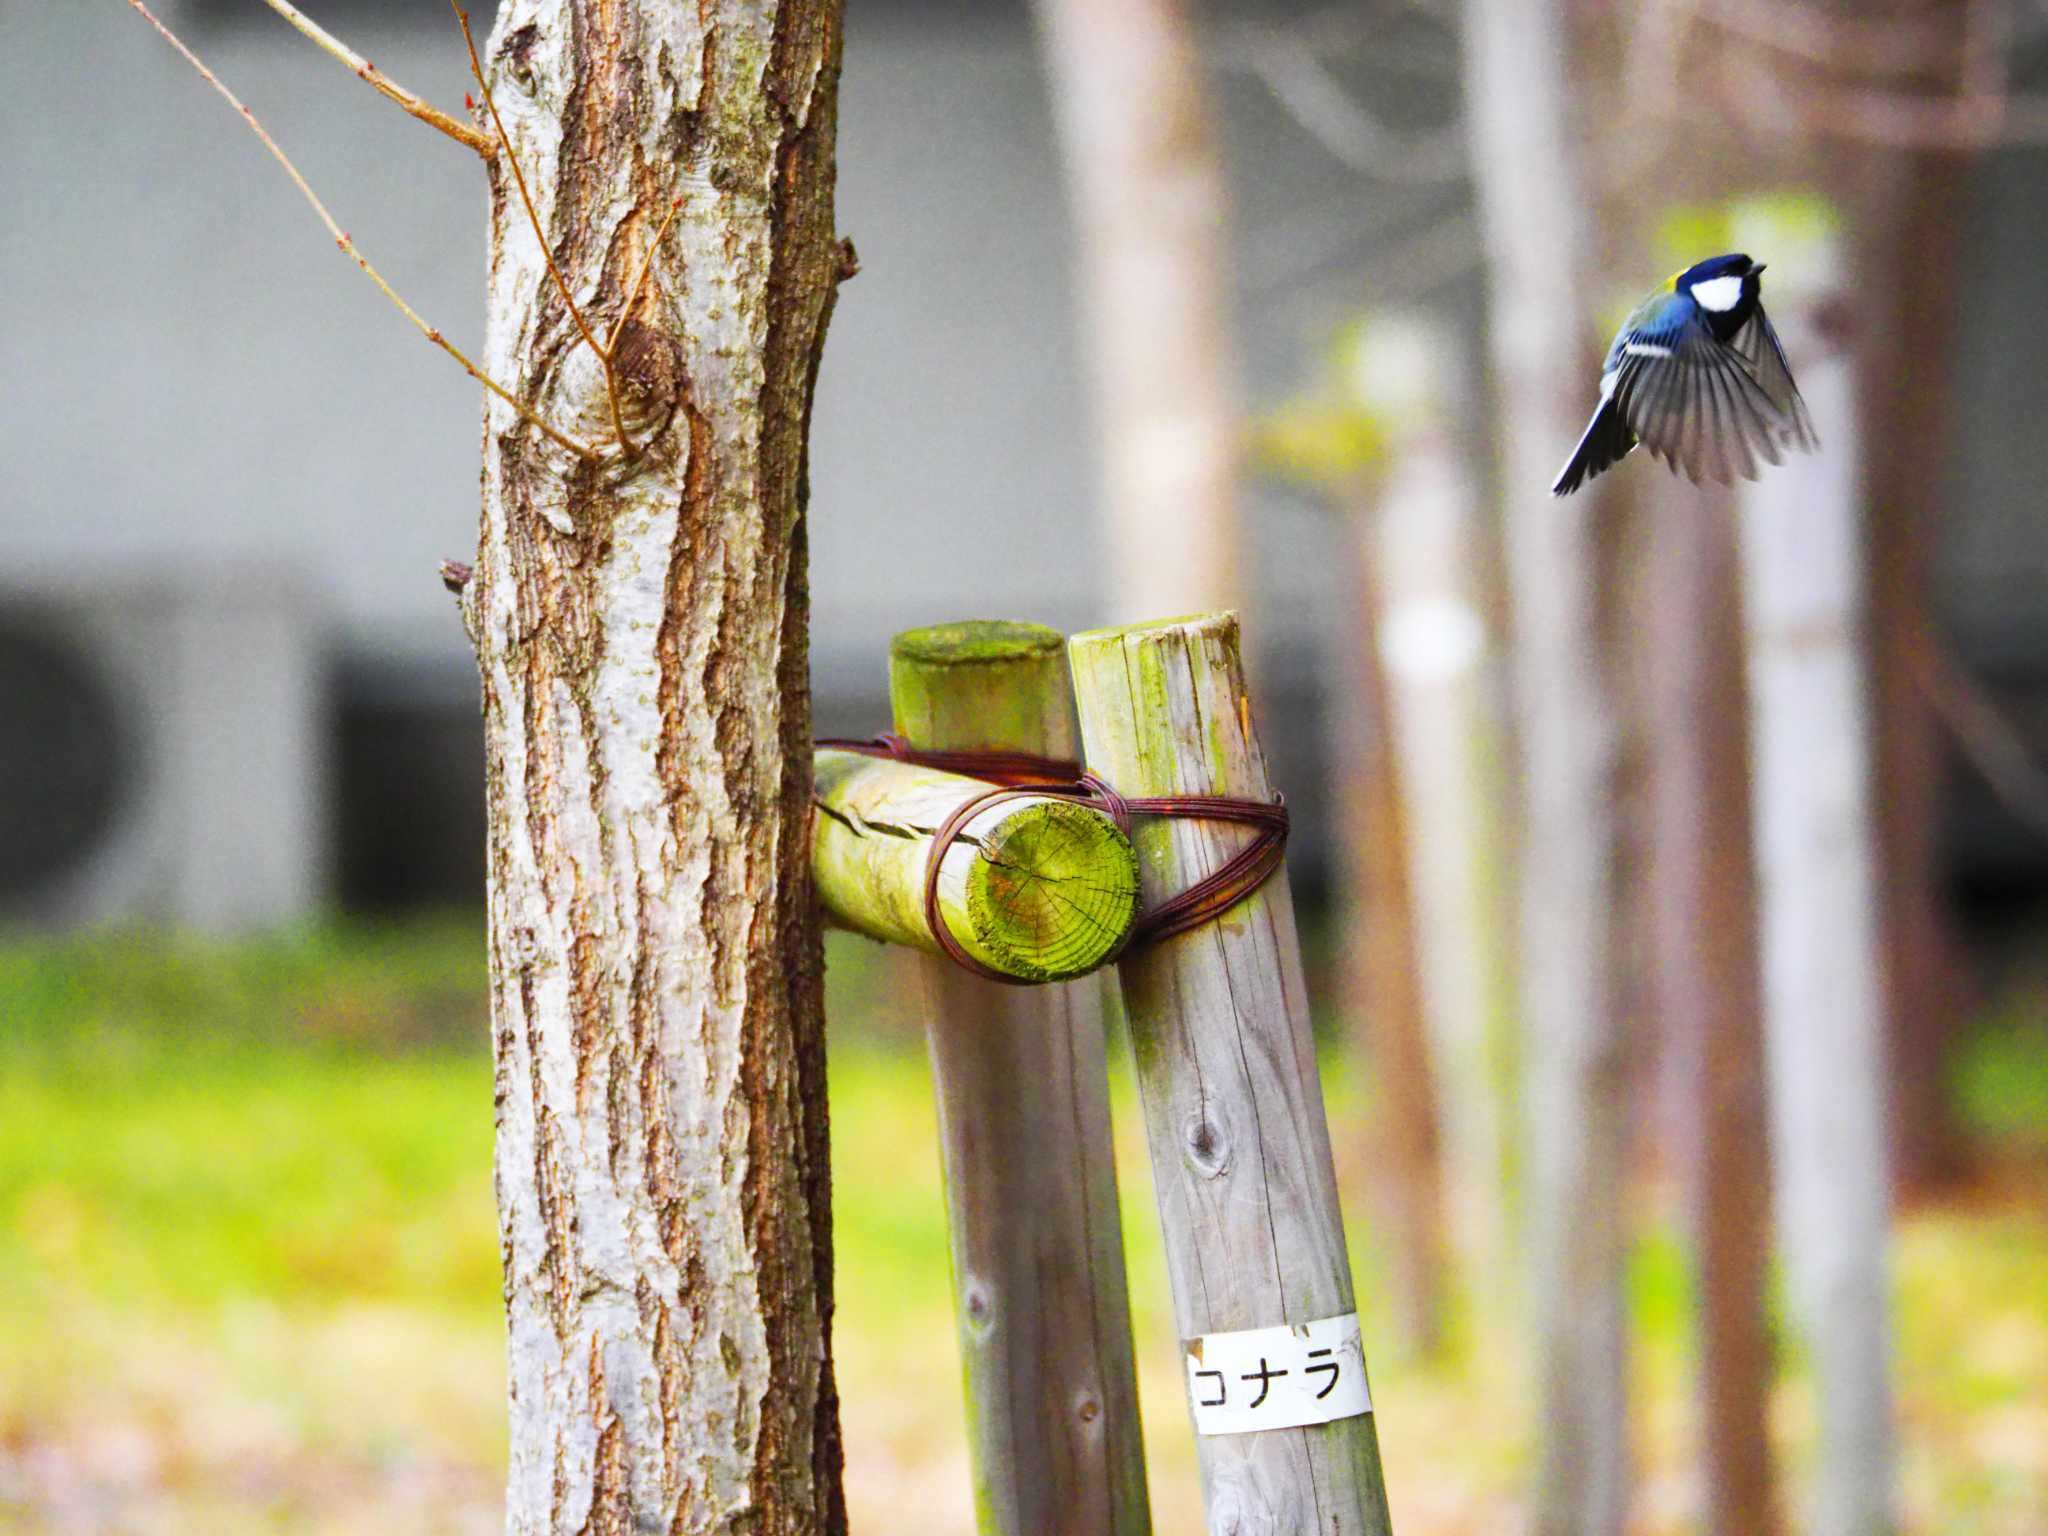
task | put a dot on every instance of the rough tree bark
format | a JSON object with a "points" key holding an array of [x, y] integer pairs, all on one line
{"points": [[640, 619], [1532, 203], [1148, 198]]}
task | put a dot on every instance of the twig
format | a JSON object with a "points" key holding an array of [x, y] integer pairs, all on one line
{"points": [[369, 73], [348, 246], [1987, 737], [1308, 92], [1868, 44], [1900, 120], [604, 357], [618, 329], [1368, 31]]}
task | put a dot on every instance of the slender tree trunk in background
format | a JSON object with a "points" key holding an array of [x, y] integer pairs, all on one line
{"points": [[1708, 985], [641, 624], [1824, 1020], [1532, 204], [1149, 215], [1905, 252], [1382, 967], [1432, 636]]}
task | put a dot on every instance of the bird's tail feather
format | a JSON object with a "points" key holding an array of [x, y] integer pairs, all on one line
{"points": [[1605, 441]]}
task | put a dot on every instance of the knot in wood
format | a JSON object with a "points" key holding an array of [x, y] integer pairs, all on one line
{"points": [[517, 57], [1206, 1143], [649, 366], [978, 1307]]}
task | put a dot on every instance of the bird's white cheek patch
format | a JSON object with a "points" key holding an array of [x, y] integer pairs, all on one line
{"points": [[1720, 294]]}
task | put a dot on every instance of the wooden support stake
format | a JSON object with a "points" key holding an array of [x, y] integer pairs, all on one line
{"points": [[1031, 1204], [1233, 1108], [1040, 889]]}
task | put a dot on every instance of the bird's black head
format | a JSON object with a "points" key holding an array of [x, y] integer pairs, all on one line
{"points": [[1726, 287]]}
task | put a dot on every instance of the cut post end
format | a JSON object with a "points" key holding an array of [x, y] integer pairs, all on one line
{"points": [[974, 640], [1222, 624], [1054, 893]]}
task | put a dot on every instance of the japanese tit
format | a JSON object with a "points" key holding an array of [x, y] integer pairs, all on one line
{"points": [[1698, 375]]}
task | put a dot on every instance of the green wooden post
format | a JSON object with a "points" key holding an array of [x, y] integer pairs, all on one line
{"points": [[1039, 889], [1227, 1068], [1038, 1264]]}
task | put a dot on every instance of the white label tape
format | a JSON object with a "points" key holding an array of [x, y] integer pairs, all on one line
{"points": [[1276, 1378]]}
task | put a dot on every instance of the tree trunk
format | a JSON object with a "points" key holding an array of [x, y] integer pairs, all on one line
{"points": [[1433, 635], [1905, 251], [1708, 985], [1381, 963], [1149, 209], [1532, 201], [641, 622], [1824, 1021]]}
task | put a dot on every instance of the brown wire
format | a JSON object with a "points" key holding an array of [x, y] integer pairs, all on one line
{"points": [[1014, 775]]}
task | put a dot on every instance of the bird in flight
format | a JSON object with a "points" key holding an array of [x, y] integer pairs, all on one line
{"points": [[1699, 377]]}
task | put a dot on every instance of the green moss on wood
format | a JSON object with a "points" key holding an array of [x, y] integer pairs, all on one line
{"points": [[1040, 889], [982, 683], [974, 640]]}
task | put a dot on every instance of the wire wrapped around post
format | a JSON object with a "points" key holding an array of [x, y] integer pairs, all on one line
{"points": [[1016, 774]]}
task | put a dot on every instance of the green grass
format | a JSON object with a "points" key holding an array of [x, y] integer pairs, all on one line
{"points": [[301, 1119], [246, 1232]]}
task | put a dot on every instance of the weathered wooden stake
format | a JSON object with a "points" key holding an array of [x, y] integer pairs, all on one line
{"points": [[1038, 1263], [1040, 889], [1233, 1108]]}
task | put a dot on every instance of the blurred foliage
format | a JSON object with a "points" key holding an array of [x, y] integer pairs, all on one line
{"points": [[249, 1265], [1330, 436], [2001, 1079]]}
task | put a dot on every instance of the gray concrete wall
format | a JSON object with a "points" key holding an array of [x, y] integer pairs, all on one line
{"points": [[194, 372], [195, 380]]}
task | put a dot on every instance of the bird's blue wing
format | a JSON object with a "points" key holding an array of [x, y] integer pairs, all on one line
{"points": [[1657, 318], [1693, 401]]}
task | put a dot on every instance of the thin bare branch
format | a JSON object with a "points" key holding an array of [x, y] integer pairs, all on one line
{"points": [[1312, 96], [1867, 44], [604, 357], [370, 74], [1900, 120], [348, 246], [1991, 741], [618, 329], [1366, 31]]}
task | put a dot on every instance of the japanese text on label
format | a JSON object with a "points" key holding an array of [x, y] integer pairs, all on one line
{"points": [[1275, 1378]]}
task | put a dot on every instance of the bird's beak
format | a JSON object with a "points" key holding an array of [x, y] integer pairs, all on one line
{"points": [[1758, 268]]}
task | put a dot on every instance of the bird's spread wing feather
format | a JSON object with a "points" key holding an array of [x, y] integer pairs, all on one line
{"points": [[1701, 406], [1758, 344]]}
